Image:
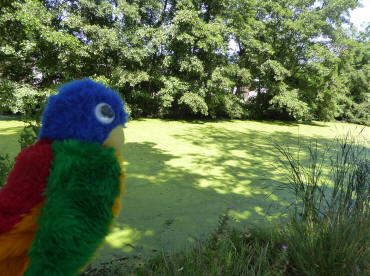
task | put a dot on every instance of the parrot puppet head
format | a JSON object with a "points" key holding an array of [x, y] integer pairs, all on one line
{"points": [[86, 111]]}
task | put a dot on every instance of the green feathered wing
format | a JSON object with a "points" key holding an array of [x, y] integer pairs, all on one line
{"points": [[83, 185]]}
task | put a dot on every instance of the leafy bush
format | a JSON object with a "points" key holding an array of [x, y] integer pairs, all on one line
{"points": [[6, 96], [226, 106], [21, 98], [353, 112], [141, 104], [5, 166], [128, 110], [193, 104], [289, 101], [32, 126], [29, 134], [102, 79]]}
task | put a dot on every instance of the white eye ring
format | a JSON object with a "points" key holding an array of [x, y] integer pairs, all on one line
{"points": [[104, 113]]}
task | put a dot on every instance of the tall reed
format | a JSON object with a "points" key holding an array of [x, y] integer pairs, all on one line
{"points": [[328, 232]]}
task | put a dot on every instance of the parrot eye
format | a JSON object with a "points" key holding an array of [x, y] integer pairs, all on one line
{"points": [[104, 113]]}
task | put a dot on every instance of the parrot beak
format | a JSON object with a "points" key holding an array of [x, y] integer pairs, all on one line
{"points": [[116, 139]]}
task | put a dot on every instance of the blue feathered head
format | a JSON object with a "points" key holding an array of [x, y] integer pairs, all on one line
{"points": [[83, 110]]}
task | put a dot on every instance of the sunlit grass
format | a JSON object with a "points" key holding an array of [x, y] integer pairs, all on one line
{"points": [[10, 129], [181, 175]]}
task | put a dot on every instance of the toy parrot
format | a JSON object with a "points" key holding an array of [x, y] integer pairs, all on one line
{"points": [[60, 198]]}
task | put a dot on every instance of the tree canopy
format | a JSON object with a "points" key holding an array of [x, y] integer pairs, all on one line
{"points": [[280, 59]]}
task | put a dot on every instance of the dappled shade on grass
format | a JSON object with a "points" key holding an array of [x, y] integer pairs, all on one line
{"points": [[181, 175]]}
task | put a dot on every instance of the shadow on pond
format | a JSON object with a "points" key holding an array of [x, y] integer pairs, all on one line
{"points": [[166, 206]]}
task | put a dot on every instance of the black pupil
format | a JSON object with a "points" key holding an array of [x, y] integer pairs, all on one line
{"points": [[106, 111]]}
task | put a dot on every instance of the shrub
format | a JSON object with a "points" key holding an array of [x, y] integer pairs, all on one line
{"points": [[141, 104], [20, 98], [6, 164], [32, 126], [102, 79], [6, 96], [29, 134], [226, 106], [193, 104], [353, 112], [288, 101]]}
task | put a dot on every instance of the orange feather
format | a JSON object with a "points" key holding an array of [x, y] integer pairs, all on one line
{"points": [[16, 243], [117, 204]]}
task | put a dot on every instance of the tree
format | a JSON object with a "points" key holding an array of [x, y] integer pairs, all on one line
{"points": [[354, 69], [173, 58], [282, 42]]}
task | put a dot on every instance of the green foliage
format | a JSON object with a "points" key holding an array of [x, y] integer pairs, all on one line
{"points": [[16, 98], [279, 45], [226, 106], [326, 248], [344, 193], [355, 72], [353, 112], [289, 101], [6, 95], [141, 104], [102, 79], [29, 134], [32, 125], [328, 232], [5, 166], [194, 102], [174, 58]]}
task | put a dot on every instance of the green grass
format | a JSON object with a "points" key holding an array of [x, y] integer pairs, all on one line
{"points": [[10, 129], [181, 175]]}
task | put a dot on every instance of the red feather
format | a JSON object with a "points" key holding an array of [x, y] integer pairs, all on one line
{"points": [[25, 184]]}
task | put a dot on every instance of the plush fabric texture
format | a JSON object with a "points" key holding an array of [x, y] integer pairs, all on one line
{"points": [[25, 184], [81, 194], [71, 113], [61, 196], [16, 243], [117, 204]]}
